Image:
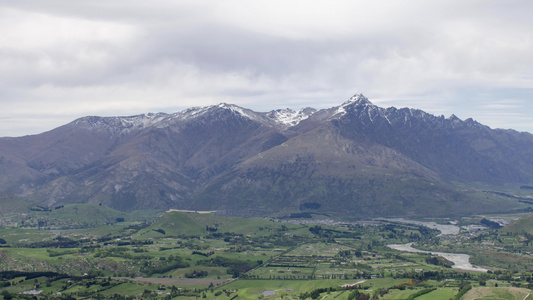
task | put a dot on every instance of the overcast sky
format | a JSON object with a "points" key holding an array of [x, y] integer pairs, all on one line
{"points": [[60, 60]]}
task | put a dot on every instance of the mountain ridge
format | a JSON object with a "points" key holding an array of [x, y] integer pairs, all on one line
{"points": [[357, 155]]}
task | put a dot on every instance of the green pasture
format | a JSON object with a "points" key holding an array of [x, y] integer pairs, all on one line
{"points": [[439, 293], [284, 256]]}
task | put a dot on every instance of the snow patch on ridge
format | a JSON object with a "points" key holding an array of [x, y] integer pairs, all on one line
{"points": [[194, 112], [141, 121], [120, 124], [289, 117], [357, 99], [242, 111]]}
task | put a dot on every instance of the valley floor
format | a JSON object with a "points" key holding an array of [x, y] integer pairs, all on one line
{"points": [[185, 255]]}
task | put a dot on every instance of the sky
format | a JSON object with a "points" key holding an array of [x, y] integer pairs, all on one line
{"points": [[61, 60]]}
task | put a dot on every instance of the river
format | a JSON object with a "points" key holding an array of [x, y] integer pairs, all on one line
{"points": [[443, 228], [461, 261]]}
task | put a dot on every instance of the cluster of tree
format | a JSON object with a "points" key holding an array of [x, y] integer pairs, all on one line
{"points": [[203, 254], [196, 274], [420, 293], [349, 253], [234, 266], [134, 243], [491, 224], [108, 237], [445, 274], [58, 242], [40, 208], [357, 295], [314, 294], [439, 261], [8, 275], [463, 289], [211, 229], [163, 266]]}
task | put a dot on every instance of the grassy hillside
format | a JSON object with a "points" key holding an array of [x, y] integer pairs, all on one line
{"points": [[524, 224], [510, 293], [176, 223], [13, 205], [17, 212]]}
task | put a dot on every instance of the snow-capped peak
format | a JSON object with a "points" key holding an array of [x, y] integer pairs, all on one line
{"points": [[358, 99], [280, 117], [289, 117], [355, 100], [194, 112], [242, 111]]}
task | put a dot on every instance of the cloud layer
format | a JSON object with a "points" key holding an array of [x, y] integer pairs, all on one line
{"points": [[62, 60]]}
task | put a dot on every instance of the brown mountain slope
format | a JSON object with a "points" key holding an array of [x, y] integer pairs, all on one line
{"points": [[354, 159]]}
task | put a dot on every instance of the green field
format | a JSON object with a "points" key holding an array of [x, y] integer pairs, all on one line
{"points": [[189, 255], [509, 293]]}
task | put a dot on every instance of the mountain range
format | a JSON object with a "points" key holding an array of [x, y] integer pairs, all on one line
{"points": [[352, 160]]}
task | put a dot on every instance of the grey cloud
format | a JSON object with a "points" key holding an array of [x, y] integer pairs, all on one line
{"points": [[173, 54]]}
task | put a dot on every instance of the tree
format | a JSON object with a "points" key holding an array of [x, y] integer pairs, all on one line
{"points": [[7, 295], [315, 294]]}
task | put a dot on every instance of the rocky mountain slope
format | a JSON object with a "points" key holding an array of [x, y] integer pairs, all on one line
{"points": [[355, 159]]}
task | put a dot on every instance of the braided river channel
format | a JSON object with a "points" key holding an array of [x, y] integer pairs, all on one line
{"points": [[461, 261]]}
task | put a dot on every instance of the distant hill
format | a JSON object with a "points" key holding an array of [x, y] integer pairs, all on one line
{"points": [[524, 224], [81, 215], [69, 216], [194, 224], [353, 160], [10, 204]]}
